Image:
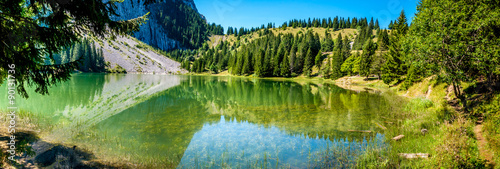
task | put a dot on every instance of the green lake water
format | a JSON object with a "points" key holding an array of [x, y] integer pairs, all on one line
{"points": [[198, 121]]}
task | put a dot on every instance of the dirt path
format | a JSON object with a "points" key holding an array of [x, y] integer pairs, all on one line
{"points": [[429, 91], [482, 145]]}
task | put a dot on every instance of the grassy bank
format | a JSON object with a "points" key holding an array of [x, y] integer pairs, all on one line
{"points": [[430, 124]]}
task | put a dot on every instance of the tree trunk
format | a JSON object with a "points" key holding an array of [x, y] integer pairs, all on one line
{"points": [[490, 82], [460, 95]]}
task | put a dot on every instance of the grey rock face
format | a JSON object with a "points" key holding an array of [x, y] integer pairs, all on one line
{"points": [[150, 33]]}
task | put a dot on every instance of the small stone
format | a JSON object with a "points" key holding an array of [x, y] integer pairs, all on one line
{"points": [[424, 131]]}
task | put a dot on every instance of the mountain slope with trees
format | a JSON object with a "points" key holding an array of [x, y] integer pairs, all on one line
{"points": [[303, 45]]}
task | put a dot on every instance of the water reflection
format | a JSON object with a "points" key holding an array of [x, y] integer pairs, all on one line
{"points": [[244, 144], [184, 121]]}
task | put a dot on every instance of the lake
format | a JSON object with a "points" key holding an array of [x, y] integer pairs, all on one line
{"points": [[205, 121]]}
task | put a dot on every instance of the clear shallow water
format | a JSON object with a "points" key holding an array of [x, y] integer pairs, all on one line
{"points": [[196, 121]]}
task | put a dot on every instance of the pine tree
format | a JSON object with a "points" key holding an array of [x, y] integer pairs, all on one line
{"points": [[327, 73], [318, 60], [394, 66], [336, 65], [293, 54], [336, 23], [372, 24], [376, 65], [247, 65], [346, 48], [309, 62], [278, 59], [259, 61], [383, 40], [327, 45], [366, 58], [239, 64], [267, 62], [285, 67], [338, 43]]}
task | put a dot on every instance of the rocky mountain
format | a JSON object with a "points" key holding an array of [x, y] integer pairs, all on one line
{"points": [[172, 24]]}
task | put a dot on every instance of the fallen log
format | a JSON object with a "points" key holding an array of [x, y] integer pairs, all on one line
{"points": [[360, 131], [414, 155], [382, 127], [398, 137]]}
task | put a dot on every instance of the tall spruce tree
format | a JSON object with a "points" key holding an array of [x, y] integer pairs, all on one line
{"points": [[394, 66], [318, 60], [366, 58], [327, 45], [285, 67], [309, 63], [346, 48], [336, 65]]}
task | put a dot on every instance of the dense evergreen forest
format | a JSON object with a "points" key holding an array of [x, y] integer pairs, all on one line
{"points": [[90, 56], [289, 55]]}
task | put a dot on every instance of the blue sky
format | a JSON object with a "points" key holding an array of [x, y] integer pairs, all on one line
{"points": [[253, 13]]}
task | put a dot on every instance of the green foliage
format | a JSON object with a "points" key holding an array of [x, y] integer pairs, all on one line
{"points": [[366, 58], [346, 48], [337, 23], [383, 40], [32, 32], [327, 44], [116, 69], [285, 67], [365, 33], [378, 61], [337, 65], [461, 43], [183, 23], [327, 69], [351, 65], [265, 55], [259, 62], [395, 65], [91, 56], [214, 29], [318, 59], [308, 63]]}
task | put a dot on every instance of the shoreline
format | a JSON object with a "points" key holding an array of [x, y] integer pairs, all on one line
{"points": [[421, 114]]}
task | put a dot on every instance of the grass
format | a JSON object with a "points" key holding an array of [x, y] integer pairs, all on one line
{"points": [[450, 139]]}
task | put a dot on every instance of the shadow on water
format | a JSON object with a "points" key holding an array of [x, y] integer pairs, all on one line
{"points": [[50, 155], [185, 121]]}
